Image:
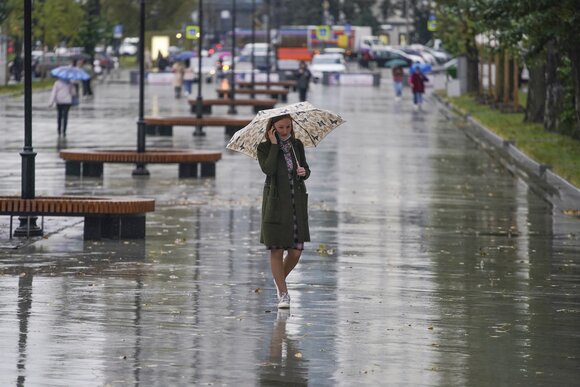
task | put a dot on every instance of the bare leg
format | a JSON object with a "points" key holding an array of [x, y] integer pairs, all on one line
{"points": [[291, 260], [277, 266]]}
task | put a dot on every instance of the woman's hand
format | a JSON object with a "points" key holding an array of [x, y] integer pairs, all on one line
{"points": [[301, 171], [272, 136]]}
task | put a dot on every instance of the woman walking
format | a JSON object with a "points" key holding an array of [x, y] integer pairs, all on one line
{"points": [[62, 95], [284, 202]]}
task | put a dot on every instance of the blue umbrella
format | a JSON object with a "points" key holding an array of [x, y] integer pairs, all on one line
{"points": [[69, 73], [424, 67], [183, 55]]}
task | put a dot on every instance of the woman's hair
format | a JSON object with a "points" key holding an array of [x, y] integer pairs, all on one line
{"points": [[273, 120]]}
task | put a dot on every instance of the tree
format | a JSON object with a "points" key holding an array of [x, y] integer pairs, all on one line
{"points": [[94, 28], [548, 34], [457, 23], [310, 12], [160, 14], [56, 21]]}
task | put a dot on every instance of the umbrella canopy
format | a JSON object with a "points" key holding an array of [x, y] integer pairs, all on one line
{"points": [[310, 124], [69, 73], [396, 62], [424, 67], [184, 55]]}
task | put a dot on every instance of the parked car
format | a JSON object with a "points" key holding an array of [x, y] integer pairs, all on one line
{"points": [[322, 63], [49, 61], [259, 49], [244, 62], [334, 50], [440, 56], [208, 69], [129, 46]]}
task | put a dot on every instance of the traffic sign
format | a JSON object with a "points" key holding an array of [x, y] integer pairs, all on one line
{"points": [[192, 32]]}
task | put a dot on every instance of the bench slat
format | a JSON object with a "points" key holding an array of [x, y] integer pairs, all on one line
{"points": [[131, 156], [70, 206]]}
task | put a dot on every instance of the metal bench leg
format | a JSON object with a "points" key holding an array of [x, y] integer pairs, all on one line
{"points": [[199, 131], [187, 170], [72, 168], [207, 169], [114, 227], [159, 130], [231, 129], [92, 169], [132, 227]]}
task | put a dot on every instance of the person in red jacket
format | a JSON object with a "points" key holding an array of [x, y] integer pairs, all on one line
{"points": [[417, 82]]}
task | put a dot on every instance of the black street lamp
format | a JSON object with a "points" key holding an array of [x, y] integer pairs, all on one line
{"points": [[253, 47], [268, 39], [140, 169], [199, 100], [28, 225], [232, 109]]}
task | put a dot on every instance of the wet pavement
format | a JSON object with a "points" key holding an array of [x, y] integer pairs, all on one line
{"points": [[430, 263]]}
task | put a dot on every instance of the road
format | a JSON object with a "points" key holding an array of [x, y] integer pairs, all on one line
{"points": [[430, 263]]}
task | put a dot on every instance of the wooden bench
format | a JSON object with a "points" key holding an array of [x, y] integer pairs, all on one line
{"points": [[163, 126], [108, 218], [89, 163], [274, 93], [287, 84], [258, 104]]}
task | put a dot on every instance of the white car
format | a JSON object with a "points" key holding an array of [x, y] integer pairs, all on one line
{"points": [[129, 46], [326, 63]]}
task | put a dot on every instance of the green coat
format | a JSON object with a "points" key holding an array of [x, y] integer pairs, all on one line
{"points": [[277, 217]]}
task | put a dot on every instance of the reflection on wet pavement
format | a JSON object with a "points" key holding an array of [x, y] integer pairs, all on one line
{"points": [[430, 264]]}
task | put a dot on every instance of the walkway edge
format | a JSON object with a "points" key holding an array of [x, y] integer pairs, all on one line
{"points": [[552, 187]]}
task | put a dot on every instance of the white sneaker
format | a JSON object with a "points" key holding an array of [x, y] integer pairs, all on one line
{"points": [[284, 301]]}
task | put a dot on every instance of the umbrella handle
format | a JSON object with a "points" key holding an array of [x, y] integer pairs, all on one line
{"points": [[295, 158]]}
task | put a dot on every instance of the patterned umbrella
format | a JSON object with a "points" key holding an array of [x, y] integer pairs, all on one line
{"points": [[70, 73], [310, 124]]}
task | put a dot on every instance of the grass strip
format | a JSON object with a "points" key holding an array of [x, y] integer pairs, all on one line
{"points": [[559, 151], [19, 88]]}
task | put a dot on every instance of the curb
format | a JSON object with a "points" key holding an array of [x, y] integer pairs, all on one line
{"points": [[553, 188]]}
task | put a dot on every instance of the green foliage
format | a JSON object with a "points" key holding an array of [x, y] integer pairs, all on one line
{"points": [[568, 116], [560, 151], [457, 26], [94, 28], [301, 12], [57, 21], [38, 84], [161, 15]]}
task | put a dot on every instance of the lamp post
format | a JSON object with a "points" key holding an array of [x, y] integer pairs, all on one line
{"points": [[232, 109], [268, 38], [199, 100], [253, 47], [140, 169], [28, 225]]}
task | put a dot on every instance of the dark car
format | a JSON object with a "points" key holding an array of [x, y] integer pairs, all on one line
{"points": [[48, 61]]}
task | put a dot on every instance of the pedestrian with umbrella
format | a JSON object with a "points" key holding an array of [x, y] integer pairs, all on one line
{"points": [[398, 75], [417, 82], [64, 93], [276, 137]]}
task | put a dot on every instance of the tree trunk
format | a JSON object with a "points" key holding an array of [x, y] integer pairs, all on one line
{"points": [[536, 94], [574, 55], [472, 69], [499, 79], [554, 91]]}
